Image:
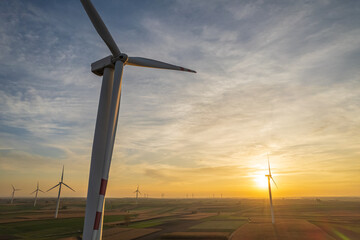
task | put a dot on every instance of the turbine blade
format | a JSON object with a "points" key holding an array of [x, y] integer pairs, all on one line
{"points": [[269, 164], [41, 191], [62, 174], [274, 181], [53, 187], [68, 187], [150, 63], [33, 192], [100, 27], [13, 187]]}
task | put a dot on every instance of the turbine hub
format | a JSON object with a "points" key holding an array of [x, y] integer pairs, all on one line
{"points": [[122, 57]]}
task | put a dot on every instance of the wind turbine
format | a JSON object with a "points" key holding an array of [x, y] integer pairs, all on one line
{"points": [[137, 193], [111, 68], [36, 192], [59, 184], [269, 176], [13, 193]]}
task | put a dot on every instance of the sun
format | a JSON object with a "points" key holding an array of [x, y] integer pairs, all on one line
{"points": [[260, 180]]}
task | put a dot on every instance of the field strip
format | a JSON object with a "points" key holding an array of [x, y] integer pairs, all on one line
{"points": [[127, 233], [283, 229]]}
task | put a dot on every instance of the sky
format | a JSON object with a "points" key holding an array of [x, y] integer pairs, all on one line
{"points": [[273, 77]]}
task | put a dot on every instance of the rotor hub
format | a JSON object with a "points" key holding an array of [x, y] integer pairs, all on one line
{"points": [[122, 57]]}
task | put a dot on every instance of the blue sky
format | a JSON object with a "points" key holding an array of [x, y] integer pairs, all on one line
{"points": [[277, 77]]}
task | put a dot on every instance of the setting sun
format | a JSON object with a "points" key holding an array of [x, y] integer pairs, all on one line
{"points": [[261, 180]]}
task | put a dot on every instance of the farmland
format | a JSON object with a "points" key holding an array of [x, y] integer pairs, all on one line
{"points": [[330, 218]]}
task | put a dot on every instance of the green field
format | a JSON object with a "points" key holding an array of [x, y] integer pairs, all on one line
{"points": [[43, 229]]}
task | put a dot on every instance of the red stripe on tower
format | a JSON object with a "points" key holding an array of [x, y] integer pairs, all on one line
{"points": [[182, 69], [97, 220], [103, 186]]}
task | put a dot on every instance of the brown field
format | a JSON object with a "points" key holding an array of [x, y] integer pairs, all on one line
{"points": [[283, 229], [196, 235], [127, 233], [332, 218]]}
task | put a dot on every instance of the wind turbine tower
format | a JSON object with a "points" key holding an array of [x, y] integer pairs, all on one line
{"points": [[13, 193], [269, 176], [60, 184], [36, 193], [111, 68], [137, 192]]}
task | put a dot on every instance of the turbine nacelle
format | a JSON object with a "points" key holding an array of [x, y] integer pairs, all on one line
{"points": [[109, 61]]}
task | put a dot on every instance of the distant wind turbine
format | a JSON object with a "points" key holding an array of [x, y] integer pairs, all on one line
{"points": [[36, 193], [59, 184], [111, 68], [269, 176], [137, 192], [13, 193]]}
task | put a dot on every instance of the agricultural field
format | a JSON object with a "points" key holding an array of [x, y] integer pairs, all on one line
{"points": [[233, 219]]}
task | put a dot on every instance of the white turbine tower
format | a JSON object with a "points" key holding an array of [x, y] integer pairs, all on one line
{"points": [[269, 176], [36, 193], [13, 193], [59, 184], [137, 193], [111, 68]]}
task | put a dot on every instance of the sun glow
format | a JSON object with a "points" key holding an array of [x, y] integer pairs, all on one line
{"points": [[260, 180]]}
